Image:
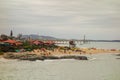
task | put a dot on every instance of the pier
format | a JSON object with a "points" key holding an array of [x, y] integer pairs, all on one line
{"points": [[67, 41]]}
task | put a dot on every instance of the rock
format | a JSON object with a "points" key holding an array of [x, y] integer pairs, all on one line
{"points": [[74, 57], [81, 58], [118, 55], [50, 57], [33, 57], [9, 56]]}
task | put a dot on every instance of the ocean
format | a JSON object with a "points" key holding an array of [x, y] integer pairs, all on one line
{"points": [[98, 67], [99, 45]]}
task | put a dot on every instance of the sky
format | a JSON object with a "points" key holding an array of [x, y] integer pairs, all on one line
{"points": [[69, 19]]}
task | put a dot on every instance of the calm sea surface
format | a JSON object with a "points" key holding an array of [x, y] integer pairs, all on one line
{"points": [[98, 67]]}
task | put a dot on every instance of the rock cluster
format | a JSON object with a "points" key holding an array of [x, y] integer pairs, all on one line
{"points": [[33, 57]]}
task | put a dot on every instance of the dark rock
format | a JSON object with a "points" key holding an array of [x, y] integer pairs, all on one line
{"points": [[118, 55], [81, 57], [50, 57], [67, 57], [74, 57]]}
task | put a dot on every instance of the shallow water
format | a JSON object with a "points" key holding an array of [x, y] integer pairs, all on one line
{"points": [[98, 67]]}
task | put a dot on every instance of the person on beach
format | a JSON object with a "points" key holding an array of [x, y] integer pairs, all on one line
{"points": [[72, 44]]}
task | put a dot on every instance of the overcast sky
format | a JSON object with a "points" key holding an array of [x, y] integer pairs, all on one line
{"points": [[97, 19]]}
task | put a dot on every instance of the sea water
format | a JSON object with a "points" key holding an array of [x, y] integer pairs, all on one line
{"points": [[98, 67], [100, 45]]}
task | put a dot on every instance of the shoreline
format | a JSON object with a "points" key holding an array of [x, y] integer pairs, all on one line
{"points": [[34, 57], [37, 54], [85, 57]]}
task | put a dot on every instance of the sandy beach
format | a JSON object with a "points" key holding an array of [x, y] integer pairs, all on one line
{"points": [[59, 51]]}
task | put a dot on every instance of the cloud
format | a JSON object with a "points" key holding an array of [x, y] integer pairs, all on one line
{"points": [[63, 18]]}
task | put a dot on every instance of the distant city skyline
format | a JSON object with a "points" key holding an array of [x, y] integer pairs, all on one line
{"points": [[69, 19]]}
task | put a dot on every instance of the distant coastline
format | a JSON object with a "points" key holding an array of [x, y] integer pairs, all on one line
{"points": [[104, 40], [35, 36]]}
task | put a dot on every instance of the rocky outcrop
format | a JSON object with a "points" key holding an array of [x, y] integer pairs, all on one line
{"points": [[118, 55], [74, 57], [33, 57]]}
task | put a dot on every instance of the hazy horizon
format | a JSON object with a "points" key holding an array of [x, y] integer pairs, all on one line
{"points": [[69, 19]]}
